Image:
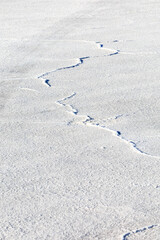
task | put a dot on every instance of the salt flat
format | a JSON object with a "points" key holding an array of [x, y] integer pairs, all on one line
{"points": [[79, 119]]}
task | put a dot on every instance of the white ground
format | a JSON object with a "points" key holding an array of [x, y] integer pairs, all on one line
{"points": [[79, 119]]}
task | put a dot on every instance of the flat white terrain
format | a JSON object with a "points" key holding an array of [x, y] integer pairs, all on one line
{"points": [[79, 120]]}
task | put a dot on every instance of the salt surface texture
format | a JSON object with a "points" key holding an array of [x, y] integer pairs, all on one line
{"points": [[79, 119]]}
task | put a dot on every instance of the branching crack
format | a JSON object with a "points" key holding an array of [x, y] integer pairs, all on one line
{"points": [[88, 120]]}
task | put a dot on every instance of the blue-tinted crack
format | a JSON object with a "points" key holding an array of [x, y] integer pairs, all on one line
{"points": [[126, 236]]}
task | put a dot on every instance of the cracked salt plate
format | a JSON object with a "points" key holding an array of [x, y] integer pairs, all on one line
{"points": [[79, 120]]}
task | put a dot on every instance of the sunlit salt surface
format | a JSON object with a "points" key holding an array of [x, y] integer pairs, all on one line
{"points": [[79, 119]]}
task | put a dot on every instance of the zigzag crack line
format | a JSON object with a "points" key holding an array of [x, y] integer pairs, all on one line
{"points": [[46, 81], [80, 61], [125, 237], [73, 110], [64, 99], [99, 45], [118, 134], [114, 52], [90, 121]]}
